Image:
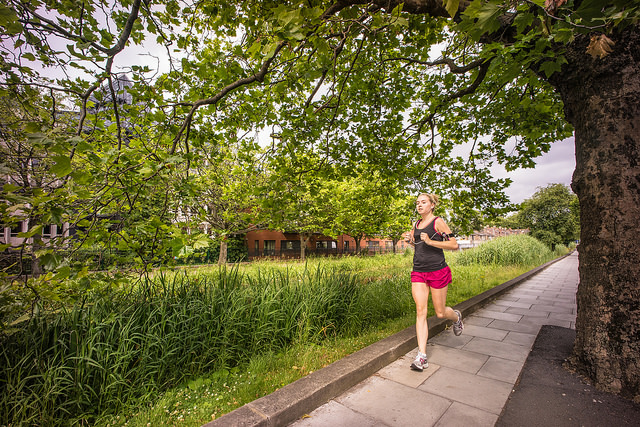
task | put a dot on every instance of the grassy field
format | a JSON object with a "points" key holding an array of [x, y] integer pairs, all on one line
{"points": [[187, 346]]}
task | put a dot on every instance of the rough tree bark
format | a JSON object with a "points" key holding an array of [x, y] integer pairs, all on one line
{"points": [[602, 101]]}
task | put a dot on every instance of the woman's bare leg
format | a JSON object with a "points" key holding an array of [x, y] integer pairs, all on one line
{"points": [[420, 292], [439, 298]]}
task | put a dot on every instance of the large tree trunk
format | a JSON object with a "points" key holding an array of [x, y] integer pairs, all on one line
{"points": [[602, 102]]}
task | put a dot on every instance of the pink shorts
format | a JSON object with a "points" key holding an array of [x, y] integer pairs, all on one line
{"points": [[434, 279]]}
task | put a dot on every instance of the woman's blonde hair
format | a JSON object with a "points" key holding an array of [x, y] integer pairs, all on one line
{"points": [[433, 198]]}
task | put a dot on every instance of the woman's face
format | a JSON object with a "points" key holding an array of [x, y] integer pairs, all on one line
{"points": [[423, 205]]}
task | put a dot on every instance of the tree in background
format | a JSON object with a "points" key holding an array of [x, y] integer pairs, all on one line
{"points": [[296, 198], [360, 206], [224, 181], [399, 219], [552, 215]]}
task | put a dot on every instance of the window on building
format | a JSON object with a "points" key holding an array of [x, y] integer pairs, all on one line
{"points": [[290, 245], [326, 244], [46, 230], [346, 245], [373, 245], [256, 247], [15, 229], [269, 247]]}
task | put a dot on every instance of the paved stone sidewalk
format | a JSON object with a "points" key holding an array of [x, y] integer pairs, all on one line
{"points": [[469, 377]]}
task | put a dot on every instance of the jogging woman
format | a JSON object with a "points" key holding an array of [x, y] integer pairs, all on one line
{"points": [[430, 236]]}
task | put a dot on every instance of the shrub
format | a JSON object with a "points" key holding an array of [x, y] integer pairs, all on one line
{"points": [[509, 250]]}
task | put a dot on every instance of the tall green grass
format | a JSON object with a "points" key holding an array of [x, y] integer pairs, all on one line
{"points": [[508, 250], [117, 349], [101, 356]]}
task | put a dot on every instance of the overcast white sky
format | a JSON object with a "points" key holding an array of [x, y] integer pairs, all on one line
{"points": [[554, 167]]}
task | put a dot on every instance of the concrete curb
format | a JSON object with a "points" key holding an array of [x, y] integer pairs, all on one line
{"points": [[292, 401]]}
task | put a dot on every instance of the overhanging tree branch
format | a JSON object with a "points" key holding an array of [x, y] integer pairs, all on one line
{"points": [[258, 77], [54, 27]]}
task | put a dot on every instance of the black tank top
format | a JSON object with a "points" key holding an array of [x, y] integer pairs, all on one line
{"points": [[427, 258]]}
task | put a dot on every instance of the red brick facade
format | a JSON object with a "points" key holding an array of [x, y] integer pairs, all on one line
{"points": [[287, 245]]}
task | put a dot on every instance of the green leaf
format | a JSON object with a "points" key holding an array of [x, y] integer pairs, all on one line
{"points": [[62, 166], [563, 35], [56, 215], [33, 127], [202, 241], [10, 188], [523, 21], [38, 138], [81, 177], [32, 232], [254, 48], [9, 20], [487, 17], [146, 171], [62, 273], [550, 67], [270, 49], [7, 15], [83, 147], [49, 260], [451, 6]]}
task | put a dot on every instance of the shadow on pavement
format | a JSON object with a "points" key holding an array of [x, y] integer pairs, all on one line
{"points": [[547, 394]]}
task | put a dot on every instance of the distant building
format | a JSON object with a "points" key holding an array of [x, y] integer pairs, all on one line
{"points": [[486, 234], [269, 243]]}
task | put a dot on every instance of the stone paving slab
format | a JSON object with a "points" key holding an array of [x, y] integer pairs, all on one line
{"points": [[498, 315], [399, 373], [451, 340], [501, 349], [520, 338], [513, 304], [473, 390], [480, 332], [460, 359], [501, 369], [478, 321], [515, 327], [460, 414], [528, 312], [402, 405], [335, 414]]}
